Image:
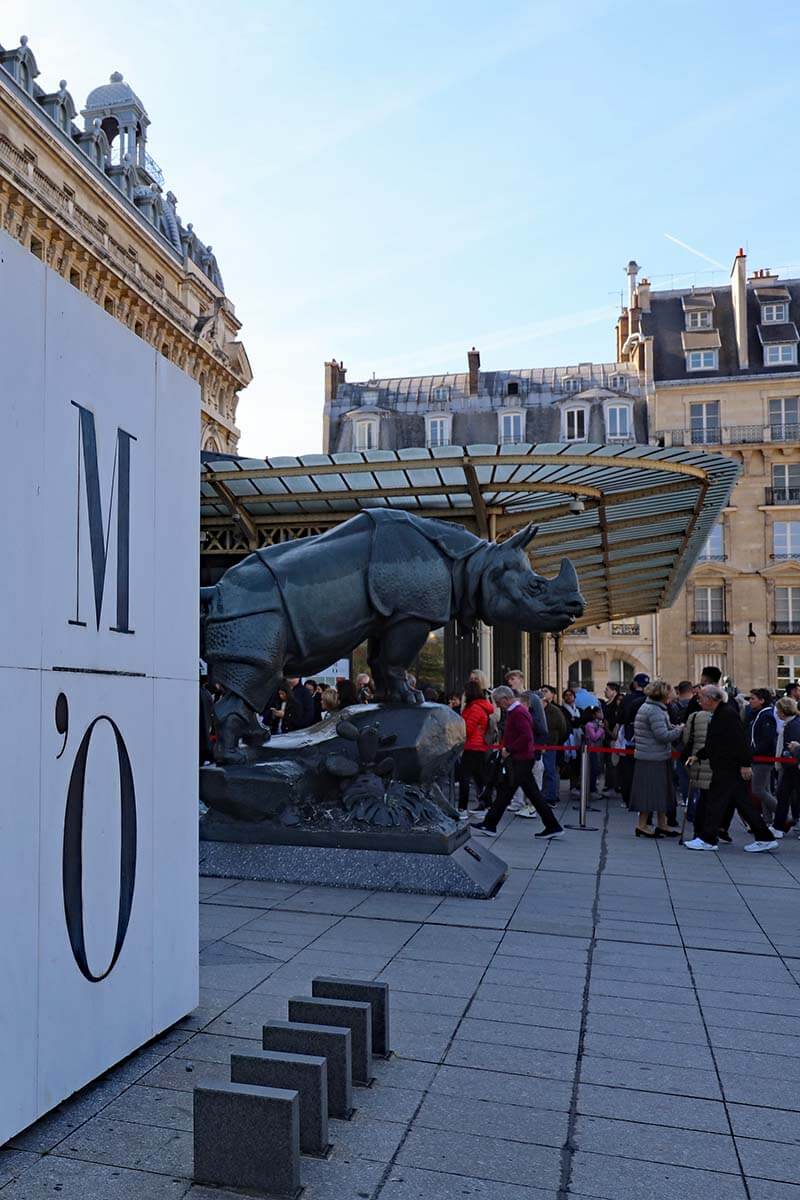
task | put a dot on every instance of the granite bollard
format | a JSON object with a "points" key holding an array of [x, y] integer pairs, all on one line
{"points": [[247, 1137], [326, 1041], [303, 1073], [351, 1014], [375, 994]]}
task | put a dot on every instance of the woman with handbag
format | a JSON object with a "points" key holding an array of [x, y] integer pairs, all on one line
{"points": [[653, 789], [694, 739]]}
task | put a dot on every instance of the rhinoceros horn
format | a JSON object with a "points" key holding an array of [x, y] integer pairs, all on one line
{"points": [[521, 538], [566, 578]]}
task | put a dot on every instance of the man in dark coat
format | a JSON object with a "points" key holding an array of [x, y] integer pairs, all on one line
{"points": [[304, 701], [728, 751]]}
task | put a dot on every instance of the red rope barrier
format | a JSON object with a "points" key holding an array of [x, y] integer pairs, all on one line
{"points": [[629, 750]]}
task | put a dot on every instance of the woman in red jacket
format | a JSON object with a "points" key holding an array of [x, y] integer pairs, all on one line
{"points": [[476, 713]]}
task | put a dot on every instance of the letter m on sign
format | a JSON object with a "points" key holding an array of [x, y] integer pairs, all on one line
{"points": [[99, 531]]}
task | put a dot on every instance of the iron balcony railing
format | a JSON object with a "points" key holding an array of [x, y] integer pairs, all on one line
{"points": [[782, 495], [581, 631], [709, 627], [729, 435], [786, 556], [712, 558], [785, 627], [624, 629]]}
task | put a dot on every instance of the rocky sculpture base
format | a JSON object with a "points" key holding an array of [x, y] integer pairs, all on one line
{"points": [[470, 871], [360, 800]]}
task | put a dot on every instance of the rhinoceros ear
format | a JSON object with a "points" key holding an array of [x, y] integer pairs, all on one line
{"points": [[521, 539]]}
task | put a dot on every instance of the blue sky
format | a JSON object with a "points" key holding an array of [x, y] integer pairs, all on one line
{"points": [[389, 184]]}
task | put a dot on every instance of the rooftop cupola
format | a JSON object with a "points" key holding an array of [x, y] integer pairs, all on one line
{"points": [[123, 118]]}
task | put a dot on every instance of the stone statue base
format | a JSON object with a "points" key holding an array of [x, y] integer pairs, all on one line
{"points": [[362, 799], [470, 871]]}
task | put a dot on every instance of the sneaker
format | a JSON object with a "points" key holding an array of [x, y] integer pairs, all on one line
{"points": [[528, 811], [482, 829], [463, 815], [776, 833], [516, 806], [546, 835], [757, 847], [698, 844]]}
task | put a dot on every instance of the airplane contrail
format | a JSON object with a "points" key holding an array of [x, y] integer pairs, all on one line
{"points": [[692, 250]]}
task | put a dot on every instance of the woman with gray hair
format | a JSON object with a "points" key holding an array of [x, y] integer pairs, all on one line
{"points": [[653, 790]]}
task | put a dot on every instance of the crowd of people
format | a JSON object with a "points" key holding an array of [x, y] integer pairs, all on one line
{"points": [[697, 747]]}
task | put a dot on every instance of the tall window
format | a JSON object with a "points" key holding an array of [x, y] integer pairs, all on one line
{"points": [[786, 539], [787, 609], [620, 671], [772, 314], [699, 320], [512, 427], [777, 353], [438, 431], [786, 481], [618, 421], [715, 544], [788, 670], [701, 360], [709, 610], [575, 424], [366, 435], [784, 418], [704, 423], [579, 674]]}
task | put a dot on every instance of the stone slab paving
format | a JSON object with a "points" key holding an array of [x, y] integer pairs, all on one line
{"points": [[619, 1023]]}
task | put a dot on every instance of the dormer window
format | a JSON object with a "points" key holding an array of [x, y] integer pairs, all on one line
{"points": [[699, 319], [512, 427], [702, 360], [441, 394], [370, 399], [774, 314], [365, 435], [571, 385], [778, 353], [437, 431], [619, 423], [512, 389], [576, 421], [618, 383]]}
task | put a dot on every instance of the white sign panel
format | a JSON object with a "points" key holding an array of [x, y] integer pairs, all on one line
{"points": [[98, 671]]}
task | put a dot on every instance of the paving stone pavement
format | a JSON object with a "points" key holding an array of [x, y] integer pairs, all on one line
{"points": [[617, 1023]]}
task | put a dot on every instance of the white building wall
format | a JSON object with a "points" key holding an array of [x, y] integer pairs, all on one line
{"points": [[67, 1017]]}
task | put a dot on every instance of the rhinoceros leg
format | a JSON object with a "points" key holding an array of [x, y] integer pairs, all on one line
{"points": [[391, 653]]}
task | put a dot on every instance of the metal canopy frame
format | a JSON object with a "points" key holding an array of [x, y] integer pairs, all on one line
{"points": [[647, 511]]}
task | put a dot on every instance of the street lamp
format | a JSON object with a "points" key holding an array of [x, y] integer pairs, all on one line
{"points": [[751, 634]]}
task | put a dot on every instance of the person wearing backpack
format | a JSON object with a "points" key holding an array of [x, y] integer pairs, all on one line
{"points": [[480, 719]]}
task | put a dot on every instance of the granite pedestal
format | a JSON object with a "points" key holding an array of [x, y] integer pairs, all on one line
{"points": [[306, 1075], [374, 994], [247, 1137], [353, 1015], [323, 1041]]}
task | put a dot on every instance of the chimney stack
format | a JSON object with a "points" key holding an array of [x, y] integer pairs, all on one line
{"points": [[643, 295], [632, 270], [739, 302], [334, 375], [474, 367]]}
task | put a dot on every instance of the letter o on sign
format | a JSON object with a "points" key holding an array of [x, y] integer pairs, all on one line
{"points": [[72, 865]]}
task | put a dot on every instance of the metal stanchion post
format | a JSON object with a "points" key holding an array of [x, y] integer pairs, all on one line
{"points": [[585, 783], [584, 801]]}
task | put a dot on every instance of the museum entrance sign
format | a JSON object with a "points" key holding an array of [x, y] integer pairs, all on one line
{"points": [[98, 670]]}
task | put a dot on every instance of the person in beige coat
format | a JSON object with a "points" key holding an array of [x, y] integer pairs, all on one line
{"points": [[694, 739]]}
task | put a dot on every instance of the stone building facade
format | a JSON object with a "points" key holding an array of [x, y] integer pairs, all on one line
{"points": [[718, 369], [588, 402], [86, 198]]}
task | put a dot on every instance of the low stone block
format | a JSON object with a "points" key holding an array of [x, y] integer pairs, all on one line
{"points": [[374, 994], [351, 1014], [247, 1137], [333, 1043], [304, 1073]]}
